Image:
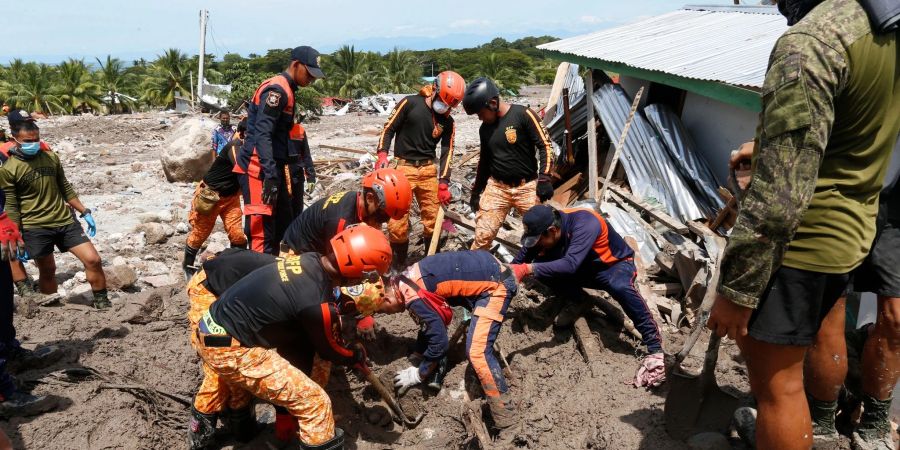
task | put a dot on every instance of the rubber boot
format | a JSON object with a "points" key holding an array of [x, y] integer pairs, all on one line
{"points": [[822, 415], [436, 381], [21, 404], [101, 299], [201, 429], [187, 264], [400, 250], [335, 443], [503, 412], [874, 431], [242, 423]]}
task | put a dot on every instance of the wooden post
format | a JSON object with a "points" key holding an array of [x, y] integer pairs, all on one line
{"points": [[591, 134], [619, 145], [570, 153]]}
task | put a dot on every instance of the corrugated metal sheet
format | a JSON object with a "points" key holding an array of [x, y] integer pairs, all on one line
{"points": [[729, 45]]}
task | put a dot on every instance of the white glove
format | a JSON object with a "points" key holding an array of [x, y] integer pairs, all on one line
{"points": [[407, 377], [652, 371]]}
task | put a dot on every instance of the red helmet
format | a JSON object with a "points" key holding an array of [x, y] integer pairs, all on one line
{"points": [[450, 87], [360, 249], [392, 190]]}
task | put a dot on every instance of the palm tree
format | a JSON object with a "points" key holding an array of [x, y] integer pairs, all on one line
{"points": [[490, 66], [75, 87], [349, 72], [113, 80], [31, 88], [400, 72], [167, 76]]}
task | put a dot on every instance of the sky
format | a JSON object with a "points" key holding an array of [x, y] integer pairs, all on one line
{"points": [[130, 29]]}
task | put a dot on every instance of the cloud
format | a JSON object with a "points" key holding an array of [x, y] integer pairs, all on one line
{"points": [[592, 19], [469, 23]]}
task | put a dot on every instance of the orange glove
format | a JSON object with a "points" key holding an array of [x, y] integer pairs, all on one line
{"points": [[521, 270], [444, 194], [365, 328]]}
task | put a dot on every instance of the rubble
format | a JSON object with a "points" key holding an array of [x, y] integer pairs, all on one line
{"points": [[186, 155]]}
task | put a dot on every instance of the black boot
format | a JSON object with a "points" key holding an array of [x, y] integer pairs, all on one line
{"points": [[242, 424], [400, 249], [101, 299], [20, 404], [335, 443], [201, 429], [187, 264], [436, 381]]}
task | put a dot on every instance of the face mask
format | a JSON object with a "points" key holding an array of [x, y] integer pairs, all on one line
{"points": [[30, 148], [439, 107]]}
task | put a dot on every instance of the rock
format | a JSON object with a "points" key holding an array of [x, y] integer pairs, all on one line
{"points": [[708, 441], [159, 280], [136, 167], [153, 268], [161, 325], [120, 277], [80, 295], [64, 148], [119, 261], [149, 217], [146, 307], [169, 230], [80, 276], [165, 216], [185, 154], [154, 233], [182, 228]]}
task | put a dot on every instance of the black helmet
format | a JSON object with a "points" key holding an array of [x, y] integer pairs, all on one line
{"points": [[478, 94]]}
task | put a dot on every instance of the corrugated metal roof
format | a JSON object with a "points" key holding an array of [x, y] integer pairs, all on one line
{"points": [[729, 45]]}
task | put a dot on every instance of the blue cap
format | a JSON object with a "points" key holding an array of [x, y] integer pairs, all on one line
{"points": [[536, 221], [17, 116], [309, 57]]}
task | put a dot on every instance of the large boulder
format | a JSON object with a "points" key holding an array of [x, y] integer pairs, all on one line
{"points": [[186, 155]]}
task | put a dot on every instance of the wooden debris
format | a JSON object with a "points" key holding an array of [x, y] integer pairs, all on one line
{"points": [[134, 387], [505, 237], [614, 313], [568, 191], [620, 195], [619, 145], [476, 430], [358, 151], [590, 345], [667, 289], [469, 157]]}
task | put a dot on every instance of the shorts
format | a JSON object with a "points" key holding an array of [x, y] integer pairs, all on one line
{"points": [[39, 242], [880, 272], [794, 304]]}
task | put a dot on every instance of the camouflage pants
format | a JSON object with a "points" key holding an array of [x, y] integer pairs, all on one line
{"points": [[424, 183], [496, 201], [229, 209], [213, 396]]}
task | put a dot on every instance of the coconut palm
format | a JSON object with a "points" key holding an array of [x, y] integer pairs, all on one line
{"points": [[167, 76], [31, 88], [113, 81], [75, 87], [349, 72], [492, 67], [400, 72]]}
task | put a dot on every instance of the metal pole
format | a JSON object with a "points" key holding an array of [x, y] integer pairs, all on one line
{"points": [[204, 15], [591, 134]]}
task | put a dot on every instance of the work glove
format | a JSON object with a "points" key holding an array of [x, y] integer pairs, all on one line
{"points": [[544, 189], [365, 328], [652, 371], [11, 244], [407, 378], [444, 194], [310, 187], [382, 162], [521, 270], [285, 426], [92, 226], [270, 191], [474, 200]]}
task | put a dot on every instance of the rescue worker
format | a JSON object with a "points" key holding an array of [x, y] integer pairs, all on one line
{"points": [[302, 173], [385, 194], [38, 198], [831, 96], [508, 175], [416, 125], [223, 134], [290, 302], [213, 399], [218, 195], [476, 281], [572, 249], [263, 159]]}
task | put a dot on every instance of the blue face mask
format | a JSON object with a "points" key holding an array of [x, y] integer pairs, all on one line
{"points": [[30, 148]]}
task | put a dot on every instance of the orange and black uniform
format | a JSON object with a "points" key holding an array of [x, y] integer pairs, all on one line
{"points": [[591, 254], [264, 158], [416, 131], [475, 280], [221, 178], [508, 149], [324, 219], [300, 167]]}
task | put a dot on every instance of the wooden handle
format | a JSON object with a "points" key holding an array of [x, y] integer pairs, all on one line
{"points": [[436, 234]]}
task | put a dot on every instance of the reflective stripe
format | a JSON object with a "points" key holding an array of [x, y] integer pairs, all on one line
{"points": [[481, 311]]}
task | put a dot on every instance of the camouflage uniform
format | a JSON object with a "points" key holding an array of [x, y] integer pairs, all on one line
{"points": [[828, 123]]}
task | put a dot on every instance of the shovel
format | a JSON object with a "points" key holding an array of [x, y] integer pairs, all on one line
{"points": [[399, 416], [696, 404]]}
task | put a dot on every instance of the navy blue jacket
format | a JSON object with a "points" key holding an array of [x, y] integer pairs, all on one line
{"points": [[270, 117]]}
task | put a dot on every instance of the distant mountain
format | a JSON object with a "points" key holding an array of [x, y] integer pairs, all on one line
{"points": [[453, 41]]}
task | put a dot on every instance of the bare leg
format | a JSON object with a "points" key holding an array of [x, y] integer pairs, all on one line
{"points": [[881, 354], [776, 378], [18, 270], [47, 269], [826, 361], [92, 265]]}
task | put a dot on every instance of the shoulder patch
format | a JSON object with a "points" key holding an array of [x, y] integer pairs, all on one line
{"points": [[273, 99]]}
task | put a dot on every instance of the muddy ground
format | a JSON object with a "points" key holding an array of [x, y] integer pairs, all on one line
{"points": [[128, 370]]}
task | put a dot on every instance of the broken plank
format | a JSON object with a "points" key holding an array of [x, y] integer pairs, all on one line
{"points": [[590, 346], [661, 217], [346, 149], [468, 157], [564, 193], [666, 289], [504, 237]]}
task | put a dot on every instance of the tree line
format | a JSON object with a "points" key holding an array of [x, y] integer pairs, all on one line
{"points": [[112, 85]]}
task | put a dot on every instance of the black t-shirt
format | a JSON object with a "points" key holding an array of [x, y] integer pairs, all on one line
{"points": [[230, 266], [508, 148], [313, 229], [290, 302], [418, 130], [220, 177]]}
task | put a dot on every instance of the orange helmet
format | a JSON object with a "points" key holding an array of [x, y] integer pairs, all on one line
{"points": [[392, 190], [368, 296], [450, 87], [360, 250]]}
